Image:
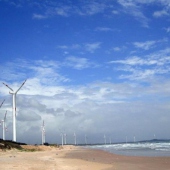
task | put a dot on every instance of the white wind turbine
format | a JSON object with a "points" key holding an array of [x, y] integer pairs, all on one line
{"points": [[14, 107], [105, 139], [65, 138], [85, 139], [61, 138], [75, 139], [134, 139], [43, 132], [3, 126], [110, 140]]}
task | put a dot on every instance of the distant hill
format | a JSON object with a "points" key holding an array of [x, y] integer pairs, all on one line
{"points": [[156, 140]]}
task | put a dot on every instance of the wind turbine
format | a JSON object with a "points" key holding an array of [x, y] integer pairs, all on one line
{"points": [[14, 107], [61, 138], [3, 126], [75, 139], [105, 139], [85, 139], [134, 139], [110, 140], [65, 138], [43, 133]]}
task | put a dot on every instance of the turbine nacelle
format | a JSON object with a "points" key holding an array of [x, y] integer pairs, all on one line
{"points": [[12, 92]]}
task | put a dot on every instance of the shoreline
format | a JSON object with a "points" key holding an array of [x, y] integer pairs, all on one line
{"points": [[121, 162], [78, 158]]}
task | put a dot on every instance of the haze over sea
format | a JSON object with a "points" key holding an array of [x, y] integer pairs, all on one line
{"points": [[150, 148]]}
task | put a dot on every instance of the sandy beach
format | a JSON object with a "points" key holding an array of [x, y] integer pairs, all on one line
{"points": [[77, 158]]}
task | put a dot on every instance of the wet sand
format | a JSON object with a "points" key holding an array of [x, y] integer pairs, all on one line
{"points": [[119, 162], [76, 158]]}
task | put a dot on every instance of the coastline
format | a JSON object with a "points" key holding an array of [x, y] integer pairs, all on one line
{"points": [[120, 162], [78, 158]]}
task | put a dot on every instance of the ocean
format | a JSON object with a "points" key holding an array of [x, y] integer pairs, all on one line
{"points": [[156, 149]]}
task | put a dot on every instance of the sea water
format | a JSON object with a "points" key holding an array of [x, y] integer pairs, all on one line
{"points": [[137, 149]]}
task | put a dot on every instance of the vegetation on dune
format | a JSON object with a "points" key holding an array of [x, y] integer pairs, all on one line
{"points": [[8, 144]]}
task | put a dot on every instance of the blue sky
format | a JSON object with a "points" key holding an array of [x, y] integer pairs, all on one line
{"points": [[92, 67]]}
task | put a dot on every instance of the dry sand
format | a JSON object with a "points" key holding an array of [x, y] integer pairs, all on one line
{"points": [[76, 158]]}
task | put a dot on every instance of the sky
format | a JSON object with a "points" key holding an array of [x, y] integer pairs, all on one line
{"points": [[94, 67]]}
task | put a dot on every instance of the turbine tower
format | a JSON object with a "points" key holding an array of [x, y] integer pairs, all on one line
{"points": [[14, 107], [61, 138], [105, 139], [85, 139], [43, 133], [65, 138], [110, 140], [3, 126], [134, 139], [75, 139]]}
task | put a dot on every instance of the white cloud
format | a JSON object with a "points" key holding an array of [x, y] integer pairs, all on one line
{"points": [[71, 47], [106, 29], [116, 48], [145, 45], [78, 62], [47, 71], [28, 115], [80, 48], [91, 47], [63, 47], [39, 16], [168, 29], [91, 8], [43, 70], [63, 11], [160, 13], [144, 67], [136, 61], [115, 12], [134, 9]]}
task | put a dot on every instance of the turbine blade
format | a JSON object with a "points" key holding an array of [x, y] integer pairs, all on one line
{"points": [[8, 87], [21, 86], [2, 103]]}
